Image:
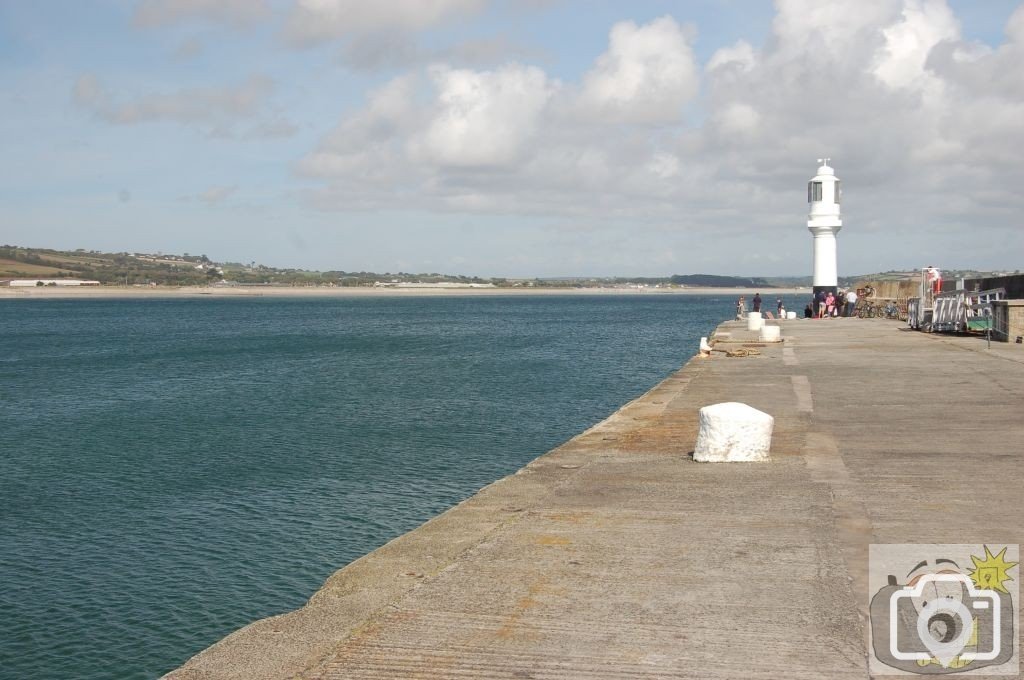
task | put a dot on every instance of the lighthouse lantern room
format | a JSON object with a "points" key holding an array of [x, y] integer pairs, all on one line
{"points": [[824, 222]]}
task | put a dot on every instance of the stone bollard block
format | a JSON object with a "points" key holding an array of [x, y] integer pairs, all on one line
{"points": [[790, 315], [771, 334], [754, 321], [733, 432]]}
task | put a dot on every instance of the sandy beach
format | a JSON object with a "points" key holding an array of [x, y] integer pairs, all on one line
{"points": [[131, 292]]}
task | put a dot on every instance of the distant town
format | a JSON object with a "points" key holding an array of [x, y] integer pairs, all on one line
{"points": [[40, 266]]}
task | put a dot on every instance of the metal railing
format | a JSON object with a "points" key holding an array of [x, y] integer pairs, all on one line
{"points": [[949, 312], [960, 311]]}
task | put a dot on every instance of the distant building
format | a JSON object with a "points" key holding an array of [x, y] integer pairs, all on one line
{"points": [[25, 283]]}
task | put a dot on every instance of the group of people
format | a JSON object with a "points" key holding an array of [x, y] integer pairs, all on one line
{"points": [[741, 305], [756, 302], [828, 304], [825, 304]]}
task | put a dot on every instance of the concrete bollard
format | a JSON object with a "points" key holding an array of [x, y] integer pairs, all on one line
{"points": [[733, 432], [754, 321], [771, 334], [790, 315]]}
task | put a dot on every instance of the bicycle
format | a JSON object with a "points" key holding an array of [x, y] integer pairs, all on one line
{"points": [[864, 310]]}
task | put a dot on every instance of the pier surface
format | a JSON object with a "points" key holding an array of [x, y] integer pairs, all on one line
{"points": [[617, 556]]}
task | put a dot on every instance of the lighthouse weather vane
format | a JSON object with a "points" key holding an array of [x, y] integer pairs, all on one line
{"points": [[824, 222]]}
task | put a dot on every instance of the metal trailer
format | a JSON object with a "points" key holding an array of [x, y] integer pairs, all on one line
{"points": [[956, 311]]}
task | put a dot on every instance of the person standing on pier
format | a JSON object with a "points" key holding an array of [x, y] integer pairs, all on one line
{"points": [[934, 279], [757, 302], [851, 301]]}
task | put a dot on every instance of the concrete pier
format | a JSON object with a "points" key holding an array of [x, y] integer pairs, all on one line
{"points": [[617, 556]]}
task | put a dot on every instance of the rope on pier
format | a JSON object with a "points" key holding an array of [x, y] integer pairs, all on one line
{"points": [[739, 352]]}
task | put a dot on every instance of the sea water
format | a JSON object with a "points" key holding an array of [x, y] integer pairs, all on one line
{"points": [[171, 470]]}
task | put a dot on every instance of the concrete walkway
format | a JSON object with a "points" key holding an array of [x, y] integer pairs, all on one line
{"points": [[617, 556]]}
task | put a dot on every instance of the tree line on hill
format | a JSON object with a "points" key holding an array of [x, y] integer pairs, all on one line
{"points": [[191, 270]]}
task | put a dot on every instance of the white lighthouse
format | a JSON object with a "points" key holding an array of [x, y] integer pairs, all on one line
{"points": [[823, 221]]}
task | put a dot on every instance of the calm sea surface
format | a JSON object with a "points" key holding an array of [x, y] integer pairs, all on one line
{"points": [[171, 470]]}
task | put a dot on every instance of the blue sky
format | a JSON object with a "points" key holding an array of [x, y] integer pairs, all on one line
{"points": [[505, 138]]}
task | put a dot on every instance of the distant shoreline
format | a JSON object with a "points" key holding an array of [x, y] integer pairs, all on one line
{"points": [[113, 292]]}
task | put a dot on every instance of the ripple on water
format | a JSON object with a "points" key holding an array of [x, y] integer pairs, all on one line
{"points": [[176, 469]]}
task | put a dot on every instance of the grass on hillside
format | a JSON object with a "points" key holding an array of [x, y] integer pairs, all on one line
{"points": [[117, 268], [14, 269]]}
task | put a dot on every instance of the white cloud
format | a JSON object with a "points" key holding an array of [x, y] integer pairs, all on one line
{"points": [[647, 75], [981, 71], [381, 51], [313, 21], [737, 119], [483, 117], [370, 141], [923, 127], [664, 165], [829, 31], [636, 142], [923, 25], [215, 109], [364, 159], [152, 13], [1015, 26], [739, 57]]}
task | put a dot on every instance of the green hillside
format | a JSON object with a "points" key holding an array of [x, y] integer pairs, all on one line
{"points": [[109, 268], [715, 281]]}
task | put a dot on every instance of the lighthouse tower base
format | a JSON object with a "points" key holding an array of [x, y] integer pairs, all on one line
{"points": [[825, 277]]}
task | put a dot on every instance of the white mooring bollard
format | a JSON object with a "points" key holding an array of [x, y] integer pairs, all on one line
{"points": [[790, 315], [754, 321], [771, 334], [733, 432]]}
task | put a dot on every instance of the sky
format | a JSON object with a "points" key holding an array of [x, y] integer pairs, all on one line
{"points": [[515, 138]]}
